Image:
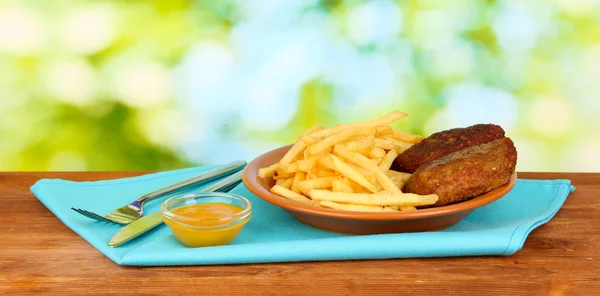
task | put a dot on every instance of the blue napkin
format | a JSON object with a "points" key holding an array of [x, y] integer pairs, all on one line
{"points": [[499, 228]]}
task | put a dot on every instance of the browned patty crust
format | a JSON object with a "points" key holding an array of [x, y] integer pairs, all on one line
{"points": [[445, 142], [467, 173]]}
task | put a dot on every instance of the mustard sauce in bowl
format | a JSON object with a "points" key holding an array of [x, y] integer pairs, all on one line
{"points": [[206, 219]]}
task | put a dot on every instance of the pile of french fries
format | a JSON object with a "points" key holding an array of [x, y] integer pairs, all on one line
{"points": [[347, 167]]}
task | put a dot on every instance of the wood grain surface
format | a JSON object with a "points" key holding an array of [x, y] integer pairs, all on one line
{"points": [[39, 254]]}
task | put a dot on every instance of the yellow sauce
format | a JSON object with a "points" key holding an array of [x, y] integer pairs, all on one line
{"points": [[210, 215]]}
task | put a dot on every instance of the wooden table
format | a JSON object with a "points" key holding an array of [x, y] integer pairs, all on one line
{"points": [[43, 255]]}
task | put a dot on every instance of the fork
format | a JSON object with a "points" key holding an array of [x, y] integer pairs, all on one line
{"points": [[133, 211]]}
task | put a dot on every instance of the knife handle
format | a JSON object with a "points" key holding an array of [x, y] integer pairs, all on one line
{"points": [[225, 184], [202, 178]]}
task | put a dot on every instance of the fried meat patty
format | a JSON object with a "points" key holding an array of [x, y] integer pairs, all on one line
{"points": [[445, 142], [466, 173]]}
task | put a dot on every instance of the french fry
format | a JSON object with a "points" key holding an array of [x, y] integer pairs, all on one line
{"points": [[287, 183], [355, 186], [325, 162], [299, 177], [388, 160], [400, 176], [353, 207], [291, 168], [347, 167], [329, 142], [281, 174], [336, 185], [305, 153], [364, 172], [339, 186], [311, 140], [326, 173], [299, 147], [293, 154], [346, 188], [377, 161], [406, 137], [277, 189], [317, 183], [401, 146], [350, 173], [403, 208], [384, 144], [376, 152], [384, 120], [268, 171], [307, 164], [362, 144], [375, 199], [399, 184], [346, 181], [389, 143], [364, 162], [383, 130]]}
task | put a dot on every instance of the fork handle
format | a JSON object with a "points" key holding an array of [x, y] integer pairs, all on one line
{"points": [[202, 178]]}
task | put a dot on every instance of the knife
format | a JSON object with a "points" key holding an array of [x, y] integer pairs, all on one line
{"points": [[144, 224]]}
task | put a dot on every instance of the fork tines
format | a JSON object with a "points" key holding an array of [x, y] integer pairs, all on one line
{"points": [[91, 215]]}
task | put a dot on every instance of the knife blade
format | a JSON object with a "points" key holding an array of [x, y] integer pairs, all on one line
{"points": [[145, 224]]}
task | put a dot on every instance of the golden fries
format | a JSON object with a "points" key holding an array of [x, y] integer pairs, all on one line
{"points": [[291, 168], [286, 183], [378, 199], [339, 186], [281, 174], [383, 130], [307, 164], [384, 144], [399, 146], [402, 136], [298, 148], [318, 183], [277, 189], [364, 144], [268, 171], [387, 161], [350, 173], [300, 176], [368, 165], [376, 152], [400, 176], [358, 208], [326, 173], [387, 119], [347, 168], [355, 187], [377, 161], [329, 142], [325, 162]]}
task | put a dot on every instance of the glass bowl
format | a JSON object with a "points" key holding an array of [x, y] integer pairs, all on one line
{"points": [[206, 219]]}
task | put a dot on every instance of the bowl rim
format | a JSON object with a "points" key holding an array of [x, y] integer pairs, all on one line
{"points": [[182, 220], [250, 179]]}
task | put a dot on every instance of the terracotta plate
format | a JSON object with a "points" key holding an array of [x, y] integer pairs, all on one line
{"points": [[364, 222]]}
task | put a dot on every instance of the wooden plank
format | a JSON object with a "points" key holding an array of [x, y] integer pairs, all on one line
{"points": [[43, 255]]}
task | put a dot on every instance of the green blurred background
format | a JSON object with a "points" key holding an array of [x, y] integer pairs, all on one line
{"points": [[158, 85]]}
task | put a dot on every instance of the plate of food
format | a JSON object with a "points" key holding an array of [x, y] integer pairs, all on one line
{"points": [[367, 178]]}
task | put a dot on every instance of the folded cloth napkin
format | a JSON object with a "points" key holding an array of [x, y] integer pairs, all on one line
{"points": [[499, 228]]}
